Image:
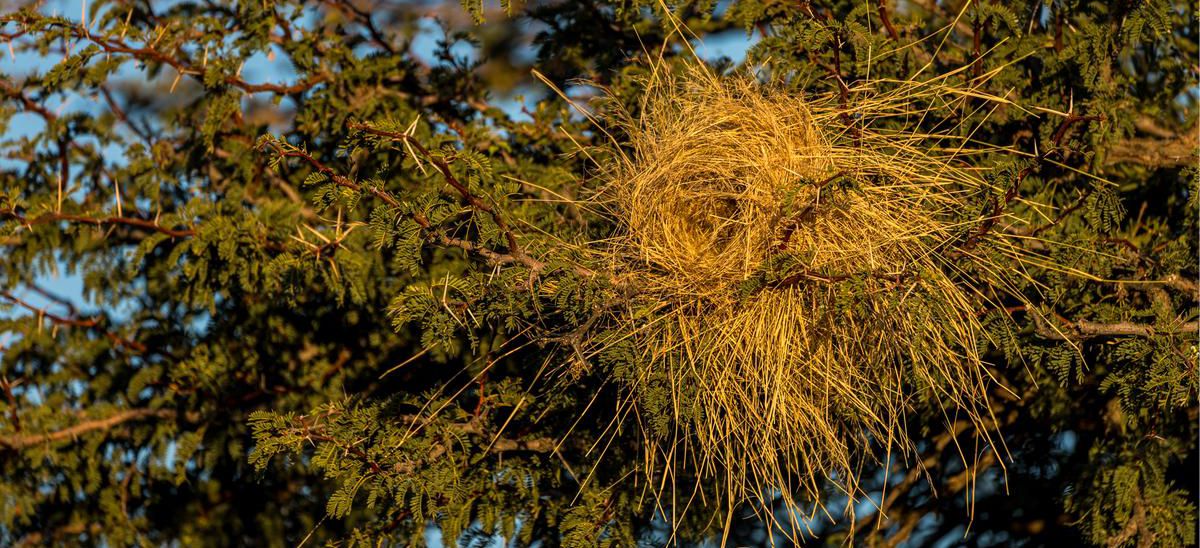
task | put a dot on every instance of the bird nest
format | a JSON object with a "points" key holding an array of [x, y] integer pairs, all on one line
{"points": [[798, 273]]}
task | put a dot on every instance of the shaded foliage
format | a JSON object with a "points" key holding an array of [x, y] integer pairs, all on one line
{"points": [[337, 304]]}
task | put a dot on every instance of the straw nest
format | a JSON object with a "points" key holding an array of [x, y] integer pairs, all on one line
{"points": [[796, 273]]}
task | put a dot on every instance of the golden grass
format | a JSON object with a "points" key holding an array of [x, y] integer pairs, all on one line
{"points": [[799, 271]]}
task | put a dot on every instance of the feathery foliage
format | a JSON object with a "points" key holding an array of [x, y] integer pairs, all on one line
{"points": [[293, 272]]}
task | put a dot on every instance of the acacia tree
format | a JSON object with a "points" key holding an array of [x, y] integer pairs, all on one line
{"points": [[332, 306]]}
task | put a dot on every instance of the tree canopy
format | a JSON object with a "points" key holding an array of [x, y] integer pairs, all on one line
{"points": [[348, 299]]}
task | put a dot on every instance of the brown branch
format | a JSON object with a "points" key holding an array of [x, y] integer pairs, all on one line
{"points": [[29, 104], [444, 168], [516, 254], [1058, 25], [363, 17], [535, 445], [791, 225], [90, 323], [150, 53], [1089, 329], [1185, 285], [337, 178], [22, 441], [834, 70], [998, 207], [1081, 330], [69, 531], [491, 256], [298, 87], [501, 445], [1148, 125], [110, 221], [97, 221], [123, 116], [1136, 524], [1178, 151], [42, 313], [1061, 133], [62, 301], [313, 432], [1063, 214], [887, 21], [1133, 248]]}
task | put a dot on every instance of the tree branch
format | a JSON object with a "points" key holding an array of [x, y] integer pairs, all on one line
{"points": [[1185, 285], [1081, 330], [22, 441], [1177, 151], [1060, 134], [313, 432], [149, 53], [887, 21], [1087, 329], [97, 221], [91, 323], [29, 104], [1136, 524], [998, 207], [444, 168], [491, 256], [515, 254]]}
